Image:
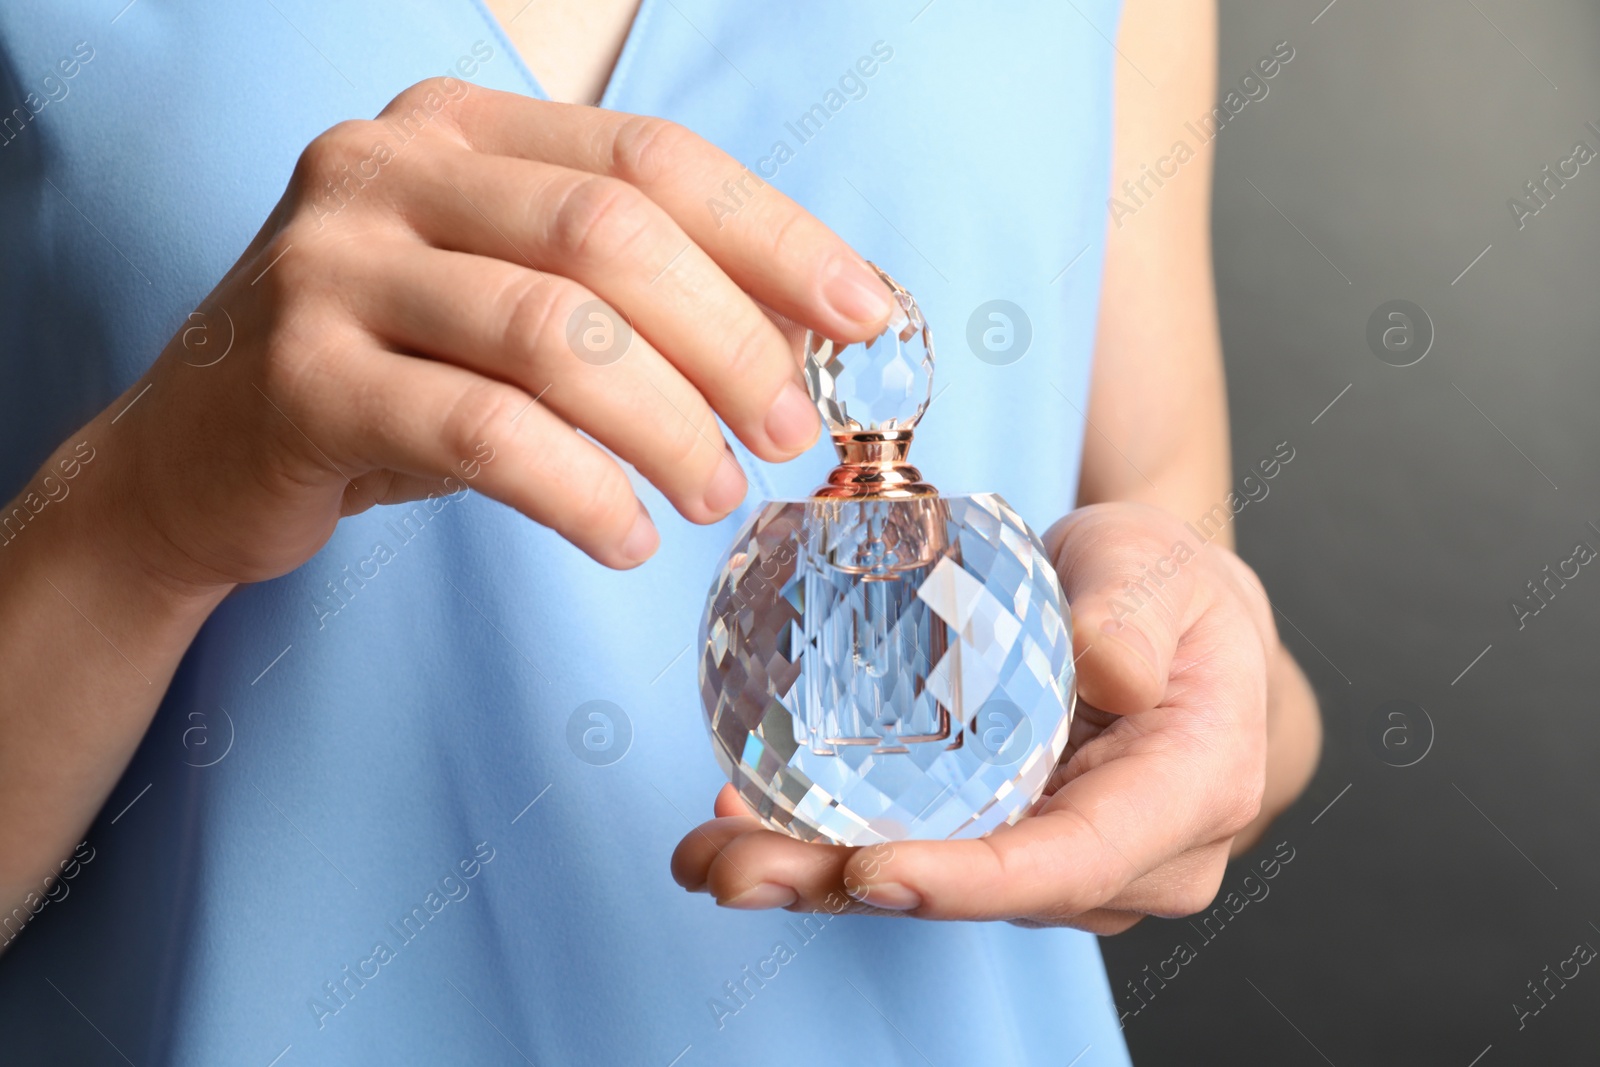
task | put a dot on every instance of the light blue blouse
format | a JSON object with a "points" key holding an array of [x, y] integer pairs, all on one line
{"points": [[375, 821]]}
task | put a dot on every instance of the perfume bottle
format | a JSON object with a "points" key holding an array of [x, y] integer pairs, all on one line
{"points": [[881, 662]]}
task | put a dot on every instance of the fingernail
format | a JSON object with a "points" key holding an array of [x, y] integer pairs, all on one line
{"points": [[793, 423], [1133, 637], [642, 539], [890, 896], [763, 896], [855, 292], [727, 488]]}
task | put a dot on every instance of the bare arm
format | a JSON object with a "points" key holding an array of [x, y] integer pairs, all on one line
{"points": [[1158, 407], [92, 638]]}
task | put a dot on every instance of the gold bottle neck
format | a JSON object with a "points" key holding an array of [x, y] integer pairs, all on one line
{"points": [[872, 465]]}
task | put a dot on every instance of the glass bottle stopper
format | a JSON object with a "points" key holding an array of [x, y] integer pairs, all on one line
{"points": [[871, 395]]}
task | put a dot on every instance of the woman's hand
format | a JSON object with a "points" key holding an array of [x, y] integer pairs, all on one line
{"points": [[431, 274], [1166, 765], [443, 295]]}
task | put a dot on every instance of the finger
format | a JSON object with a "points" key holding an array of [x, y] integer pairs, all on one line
{"points": [[427, 419], [1102, 922], [729, 802], [612, 239], [766, 242], [692, 859], [745, 865], [1183, 885], [382, 487], [507, 322], [762, 868], [1094, 837], [1134, 591]]}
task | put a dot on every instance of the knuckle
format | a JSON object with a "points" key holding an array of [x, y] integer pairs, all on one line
{"points": [[437, 85], [598, 219], [795, 239], [527, 307], [689, 448], [427, 96], [750, 357], [336, 147], [1241, 806], [429, 111], [473, 416], [608, 510], [647, 150]]}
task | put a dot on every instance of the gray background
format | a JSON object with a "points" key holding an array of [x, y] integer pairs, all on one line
{"points": [[1421, 902]]}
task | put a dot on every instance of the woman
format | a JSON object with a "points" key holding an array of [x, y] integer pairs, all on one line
{"points": [[365, 783]]}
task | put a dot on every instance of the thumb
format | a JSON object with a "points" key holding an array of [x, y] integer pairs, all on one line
{"points": [[1130, 575]]}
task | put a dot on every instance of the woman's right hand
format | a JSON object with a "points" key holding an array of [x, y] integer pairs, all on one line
{"points": [[436, 286]]}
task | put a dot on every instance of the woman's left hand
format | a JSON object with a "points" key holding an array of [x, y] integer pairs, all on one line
{"points": [[1165, 767]]}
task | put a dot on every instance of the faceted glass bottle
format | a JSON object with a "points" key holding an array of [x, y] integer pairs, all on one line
{"points": [[880, 662]]}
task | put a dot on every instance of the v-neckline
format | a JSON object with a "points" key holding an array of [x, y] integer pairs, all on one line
{"points": [[619, 70]]}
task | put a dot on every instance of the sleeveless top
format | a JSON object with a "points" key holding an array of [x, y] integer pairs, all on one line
{"points": [[376, 819]]}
